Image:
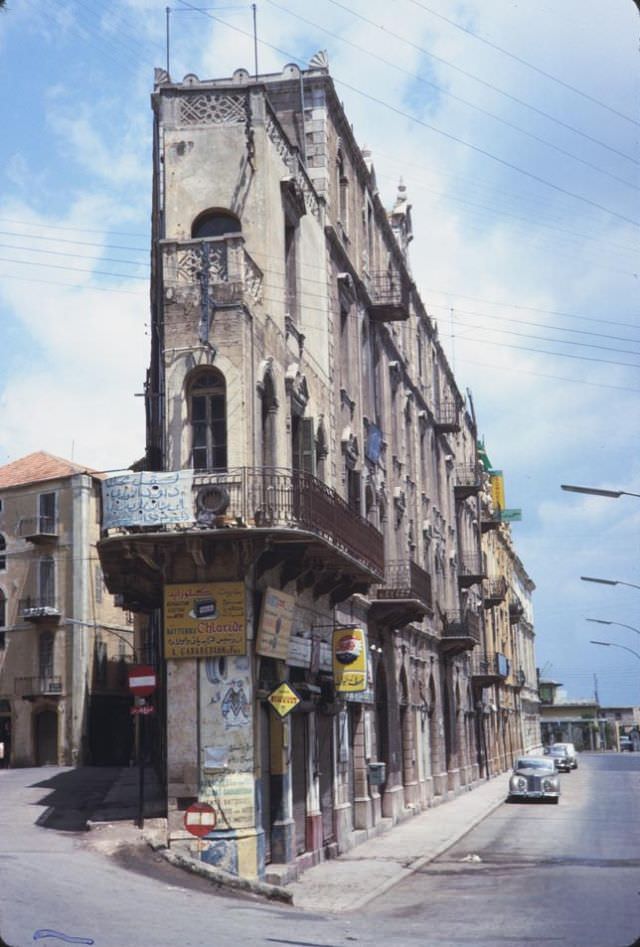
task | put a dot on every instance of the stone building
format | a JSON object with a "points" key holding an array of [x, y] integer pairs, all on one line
{"points": [[64, 646], [310, 511]]}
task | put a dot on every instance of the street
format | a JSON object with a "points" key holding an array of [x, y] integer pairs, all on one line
{"points": [[528, 874]]}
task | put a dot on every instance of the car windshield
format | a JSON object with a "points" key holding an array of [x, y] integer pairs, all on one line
{"points": [[557, 751], [532, 763]]}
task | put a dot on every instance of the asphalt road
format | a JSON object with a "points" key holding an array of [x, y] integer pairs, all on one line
{"points": [[528, 875]]}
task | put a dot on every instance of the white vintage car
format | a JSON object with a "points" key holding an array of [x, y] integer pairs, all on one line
{"points": [[534, 777]]}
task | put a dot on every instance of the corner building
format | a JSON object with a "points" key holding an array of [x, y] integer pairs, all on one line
{"points": [[311, 466]]}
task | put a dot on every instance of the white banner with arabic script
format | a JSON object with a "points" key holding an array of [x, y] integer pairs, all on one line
{"points": [[147, 498]]}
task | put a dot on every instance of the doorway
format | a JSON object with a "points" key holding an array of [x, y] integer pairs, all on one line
{"points": [[47, 738]]}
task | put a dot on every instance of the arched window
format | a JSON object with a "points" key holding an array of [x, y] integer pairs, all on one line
{"points": [[215, 223], [208, 420], [3, 553]]}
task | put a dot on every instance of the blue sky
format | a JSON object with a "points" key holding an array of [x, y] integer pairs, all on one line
{"points": [[515, 128]]}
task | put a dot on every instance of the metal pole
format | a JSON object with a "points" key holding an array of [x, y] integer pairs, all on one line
{"points": [[168, 15], [255, 40], [141, 749]]}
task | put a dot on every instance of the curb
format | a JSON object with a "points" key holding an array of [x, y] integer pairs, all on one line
{"points": [[220, 877]]}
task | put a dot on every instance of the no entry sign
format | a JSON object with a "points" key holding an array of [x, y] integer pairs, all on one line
{"points": [[200, 819], [142, 680]]}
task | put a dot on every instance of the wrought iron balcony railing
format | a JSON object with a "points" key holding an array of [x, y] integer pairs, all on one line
{"points": [[37, 608], [404, 579], [516, 611], [467, 480], [494, 591], [219, 269], [470, 569], [462, 630], [489, 668], [242, 498], [389, 294], [446, 417]]}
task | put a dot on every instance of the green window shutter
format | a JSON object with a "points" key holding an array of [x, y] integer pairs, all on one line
{"points": [[307, 446]]}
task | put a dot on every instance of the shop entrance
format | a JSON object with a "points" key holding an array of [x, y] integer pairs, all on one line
{"points": [[47, 738], [299, 756]]}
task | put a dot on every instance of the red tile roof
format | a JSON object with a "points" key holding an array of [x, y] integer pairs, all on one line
{"points": [[37, 467]]}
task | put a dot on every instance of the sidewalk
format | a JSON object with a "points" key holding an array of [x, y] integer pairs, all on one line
{"points": [[364, 873]]}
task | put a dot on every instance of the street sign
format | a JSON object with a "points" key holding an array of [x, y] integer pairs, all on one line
{"points": [[200, 819], [142, 680], [144, 710], [283, 699]]}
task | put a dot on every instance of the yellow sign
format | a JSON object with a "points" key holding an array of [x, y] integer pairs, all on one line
{"points": [[283, 699], [349, 659], [204, 620], [276, 620], [497, 489]]}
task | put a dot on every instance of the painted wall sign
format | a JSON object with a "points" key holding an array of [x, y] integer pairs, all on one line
{"points": [[300, 652], [204, 620], [283, 699], [349, 659], [233, 797], [274, 628], [147, 498]]}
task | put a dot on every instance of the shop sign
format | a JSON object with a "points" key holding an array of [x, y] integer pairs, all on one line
{"points": [[283, 699], [349, 659], [510, 516], [204, 620], [274, 628], [300, 651], [496, 479]]}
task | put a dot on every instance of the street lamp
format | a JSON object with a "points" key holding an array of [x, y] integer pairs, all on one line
{"points": [[596, 492], [602, 621], [610, 644], [590, 578]]}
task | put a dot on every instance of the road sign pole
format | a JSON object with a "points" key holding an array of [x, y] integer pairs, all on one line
{"points": [[141, 748]]}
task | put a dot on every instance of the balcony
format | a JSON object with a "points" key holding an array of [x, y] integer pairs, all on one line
{"points": [[461, 631], [37, 529], [291, 518], [39, 609], [516, 611], [467, 480], [389, 295], [470, 570], [405, 595], [218, 270], [519, 678], [494, 591], [489, 521], [488, 669], [446, 417], [31, 687]]}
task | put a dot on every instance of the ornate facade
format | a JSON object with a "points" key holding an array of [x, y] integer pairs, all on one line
{"points": [[311, 465]]}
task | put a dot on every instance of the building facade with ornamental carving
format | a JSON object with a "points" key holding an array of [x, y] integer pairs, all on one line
{"points": [[310, 512]]}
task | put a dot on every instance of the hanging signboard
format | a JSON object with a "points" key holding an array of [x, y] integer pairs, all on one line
{"points": [[510, 516], [204, 620], [497, 489], [283, 699], [274, 628], [349, 659]]}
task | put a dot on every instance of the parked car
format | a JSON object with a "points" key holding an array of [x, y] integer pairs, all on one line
{"points": [[561, 758], [571, 750], [626, 743], [534, 777]]}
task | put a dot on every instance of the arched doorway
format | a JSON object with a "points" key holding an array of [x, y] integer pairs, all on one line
{"points": [[46, 738], [448, 724], [407, 738]]}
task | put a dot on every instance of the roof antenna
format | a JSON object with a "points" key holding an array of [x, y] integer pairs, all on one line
{"points": [[255, 41]]}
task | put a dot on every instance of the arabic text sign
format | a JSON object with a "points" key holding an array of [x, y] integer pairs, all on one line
{"points": [[204, 620], [349, 659], [147, 498], [276, 619]]}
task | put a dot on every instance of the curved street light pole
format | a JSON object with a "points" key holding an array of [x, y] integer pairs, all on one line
{"points": [[610, 644], [590, 578], [602, 621], [597, 492]]}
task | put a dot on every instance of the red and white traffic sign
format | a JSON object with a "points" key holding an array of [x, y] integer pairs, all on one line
{"points": [[200, 819], [142, 680]]}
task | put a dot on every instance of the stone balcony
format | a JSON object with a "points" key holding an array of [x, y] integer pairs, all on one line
{"points": [[215, 271], [494, 591], [39, 608], [489, 668], [38, 686]]}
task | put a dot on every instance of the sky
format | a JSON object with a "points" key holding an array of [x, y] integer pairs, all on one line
{"points": [[515, 128]]}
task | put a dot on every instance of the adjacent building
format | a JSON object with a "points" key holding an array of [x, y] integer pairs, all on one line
{"points": [[64, 646], [339, 640]]}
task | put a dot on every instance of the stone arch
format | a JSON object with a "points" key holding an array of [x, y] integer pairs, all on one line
{"points": [[215, 222]]}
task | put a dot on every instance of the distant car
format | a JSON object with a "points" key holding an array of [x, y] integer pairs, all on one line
{"points": [[626, 743], [534, 777], [571, 750], [561, 758]]}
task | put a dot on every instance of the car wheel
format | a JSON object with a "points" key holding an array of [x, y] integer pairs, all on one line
{"points": [[555, 800]]}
